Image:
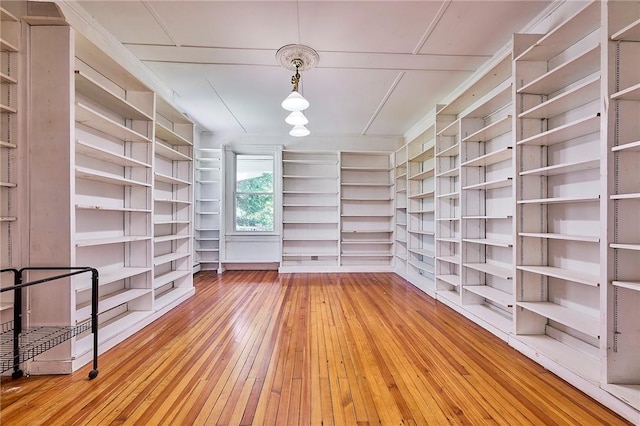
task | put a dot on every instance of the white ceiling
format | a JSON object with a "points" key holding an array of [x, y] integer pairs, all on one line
{"points": [[383, 64]]}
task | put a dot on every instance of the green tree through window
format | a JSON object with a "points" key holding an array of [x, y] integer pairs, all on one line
{"points": [[254, 193]]}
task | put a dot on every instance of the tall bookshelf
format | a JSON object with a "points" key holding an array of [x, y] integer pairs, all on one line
{"points": [[10, 33], [310, 211], [621, 156], [474, 175], [208, 199], [447, 209], [558, 194], [421, 210], [173, 201], [366, 210], [401, 216], [113, 188], [118, 160], [486, 174]]}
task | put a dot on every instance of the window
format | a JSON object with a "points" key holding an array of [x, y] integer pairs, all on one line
{"points": [[254, 196]]}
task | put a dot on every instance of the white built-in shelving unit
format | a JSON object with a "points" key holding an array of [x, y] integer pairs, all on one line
{"points": [[474, 175], [120, 158], [366, 210], [401, 204], [620, 280], [447, 206], [10, 33], [310, 211], [487, 200], [537, 200], [208, 198], [420, 199], [113, 161], [173, 202], [558, 193]]}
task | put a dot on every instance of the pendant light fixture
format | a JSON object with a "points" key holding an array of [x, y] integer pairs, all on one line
{"points": [[297, 57]]}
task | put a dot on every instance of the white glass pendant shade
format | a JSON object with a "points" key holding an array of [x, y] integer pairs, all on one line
{"points": [[296, 118], [299, 131], [295, 102]]}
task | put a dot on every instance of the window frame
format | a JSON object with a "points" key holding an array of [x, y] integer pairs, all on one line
{"points": [[231, 153], [237, 192]]}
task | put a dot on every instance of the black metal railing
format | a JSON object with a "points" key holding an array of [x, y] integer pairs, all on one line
{"points": [[19, 344]]}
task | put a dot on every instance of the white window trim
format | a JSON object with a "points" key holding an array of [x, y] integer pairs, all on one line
{"points": [[230, 181]]}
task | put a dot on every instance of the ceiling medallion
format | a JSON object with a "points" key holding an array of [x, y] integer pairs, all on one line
{"points": [[304, 56]]}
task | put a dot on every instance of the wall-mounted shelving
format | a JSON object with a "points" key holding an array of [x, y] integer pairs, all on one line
{"points": [[487, 205], [113, 186], [124, 197], [401, 234], [208, 212], [310, 211], [366, 210], [621, 245], [421, 210], [558, 191], [10, 146], [173, 205]]}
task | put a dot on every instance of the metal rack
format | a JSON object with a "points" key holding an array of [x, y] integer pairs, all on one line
{"points": [[19, 344]]}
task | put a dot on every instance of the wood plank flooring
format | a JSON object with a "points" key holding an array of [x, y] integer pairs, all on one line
{"points": [[258, 348]]}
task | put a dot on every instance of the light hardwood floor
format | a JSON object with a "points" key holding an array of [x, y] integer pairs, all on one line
{"points": [[255, 347]]}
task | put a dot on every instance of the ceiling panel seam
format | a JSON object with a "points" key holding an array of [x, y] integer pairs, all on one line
{"points": [[221, 99], [432, 26], [160, 22], [383, 102]]}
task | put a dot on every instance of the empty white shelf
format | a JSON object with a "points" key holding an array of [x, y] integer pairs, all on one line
{"points": [[629, 94], [110, 301], [488, 268], [451, 151], [422, 175], [629, 33], [453, 280], [556, 41], [580, 66], [494, 184], [170, 153], [567, 237], [450, 129], [169, 136], [500, 297], [635, 247], [112, 275], [560, 200], [563, 168], [90, 118], [574, 129], [102, 154], [631, 285], [168, 277], [99, 176], [94, 90], [491, 131], [577, 320], [422, 252], [88, 242], [170, 257], [563, 274], [449, 259], [631, 196], [489, 242], [490, 158], [571, 99], [159, 177], [631, 146]]}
